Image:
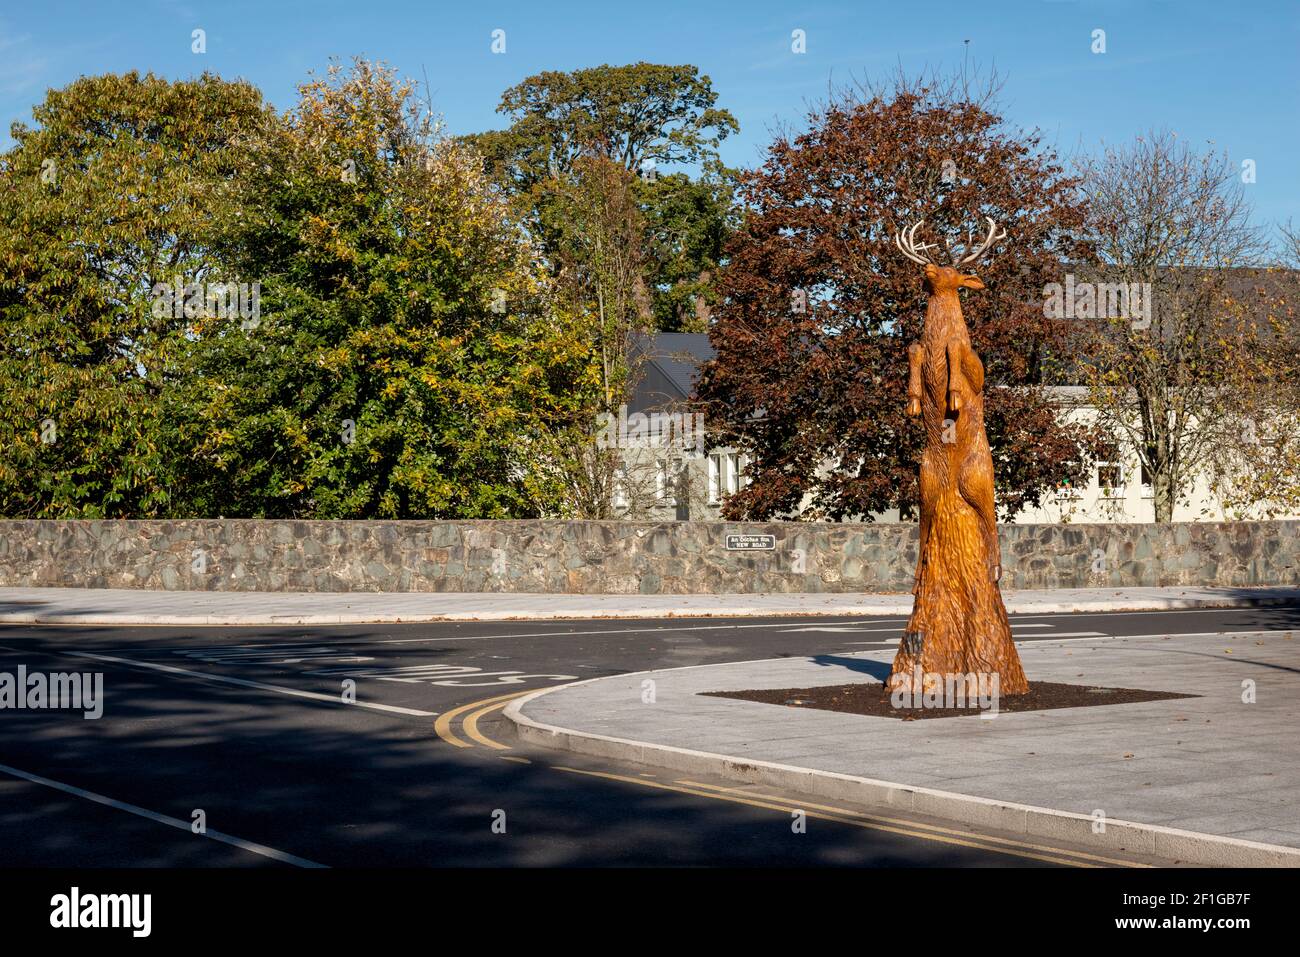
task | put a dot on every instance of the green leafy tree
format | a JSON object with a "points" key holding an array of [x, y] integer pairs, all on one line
{"points": [[634, 115], [597, 232], [1174, 387], [409, 352], [688, 224], [116, 186], [643, 118]]}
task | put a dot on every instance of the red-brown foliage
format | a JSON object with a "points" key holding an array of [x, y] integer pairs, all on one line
{"points": [[797, 391]]}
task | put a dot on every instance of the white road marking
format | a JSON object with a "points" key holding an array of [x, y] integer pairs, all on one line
{"points": [[290, 654], [1018, 620], [838, 629], [239, 842], [224, 679], [845, 629], [609, 631], [1070, 634], [532, 634], [1229, 635], [445, 675], [1063, 634], [1155, 611]]}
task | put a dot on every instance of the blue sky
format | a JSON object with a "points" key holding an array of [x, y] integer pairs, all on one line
{"points": [[1224, 72]]}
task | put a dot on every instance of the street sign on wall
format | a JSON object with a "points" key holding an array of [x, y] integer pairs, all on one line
{"points": [[751, 543]]}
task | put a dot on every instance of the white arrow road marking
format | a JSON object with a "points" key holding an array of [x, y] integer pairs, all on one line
{"points": [[269, 654], [224, 679]]}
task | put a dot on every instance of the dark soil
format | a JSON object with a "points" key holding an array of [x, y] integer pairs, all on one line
{"points": [[872, 699]]}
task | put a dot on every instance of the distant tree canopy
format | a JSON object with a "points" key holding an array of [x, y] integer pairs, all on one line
{"points": [[1206, 384], [404, 348], [817, 306], [210, 307], [632, 115], [116, 187], [643, 119]]}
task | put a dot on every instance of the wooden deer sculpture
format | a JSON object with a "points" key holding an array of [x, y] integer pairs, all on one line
{"points": [[959, 625]]}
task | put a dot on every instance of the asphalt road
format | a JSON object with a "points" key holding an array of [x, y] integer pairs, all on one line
{"points": [[245, 729]]}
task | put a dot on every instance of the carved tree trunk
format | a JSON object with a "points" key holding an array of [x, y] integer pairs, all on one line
{"points": [[959, 625]]}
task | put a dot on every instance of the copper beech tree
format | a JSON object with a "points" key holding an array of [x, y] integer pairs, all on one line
{"points": [[815, 306], [959, 625]]}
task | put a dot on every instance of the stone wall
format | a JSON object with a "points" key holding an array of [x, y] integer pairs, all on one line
{"points": [[615, 557]]}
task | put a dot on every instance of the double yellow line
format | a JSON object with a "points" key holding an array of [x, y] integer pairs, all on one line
{"points": [[928, 832], [469, 716], [473, 712]]}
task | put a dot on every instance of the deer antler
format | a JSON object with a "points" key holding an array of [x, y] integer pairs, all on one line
{"points": [[906, 243], [968, 257]]}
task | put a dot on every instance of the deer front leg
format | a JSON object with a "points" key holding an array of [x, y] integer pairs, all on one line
{"points": [[956, 377], [915, 362], [972, 369]]}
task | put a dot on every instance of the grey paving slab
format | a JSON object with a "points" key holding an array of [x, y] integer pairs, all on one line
{"points": [[1244, 819], [1236, 776]]}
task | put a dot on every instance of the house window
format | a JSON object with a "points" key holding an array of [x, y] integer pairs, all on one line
{"points": [[1110, 479], [1067, 491], [620, 488], [666, 475], [726, 475], [1148, 490]]}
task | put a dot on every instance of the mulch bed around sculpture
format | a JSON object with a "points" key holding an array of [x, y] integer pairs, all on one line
{"points": [[871, 698]]}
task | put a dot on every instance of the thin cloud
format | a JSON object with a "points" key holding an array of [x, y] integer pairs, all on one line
{"points": [[20, 68]]}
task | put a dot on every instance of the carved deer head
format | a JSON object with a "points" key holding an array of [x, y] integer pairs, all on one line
{"points": [[946, 279]]}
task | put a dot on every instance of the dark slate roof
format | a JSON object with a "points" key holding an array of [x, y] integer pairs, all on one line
{"points": [[672, 363]]}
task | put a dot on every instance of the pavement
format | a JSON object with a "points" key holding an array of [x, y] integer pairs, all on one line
{"points": [[1207, 780], [124, 606]]}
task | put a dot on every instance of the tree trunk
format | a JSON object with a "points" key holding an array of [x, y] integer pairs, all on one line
{"points": [[1163, 497], [959, 624]]}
